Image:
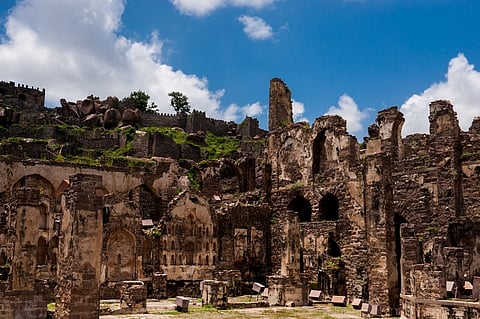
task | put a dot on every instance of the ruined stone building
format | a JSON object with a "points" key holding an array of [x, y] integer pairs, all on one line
{"points": [[390, 221]]}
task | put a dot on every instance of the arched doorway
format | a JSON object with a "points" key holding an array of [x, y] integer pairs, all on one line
{"points": [[328, 209], [303, 207]]}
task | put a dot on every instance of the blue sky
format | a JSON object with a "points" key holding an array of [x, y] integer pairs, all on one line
{"points": [[346, 57]]}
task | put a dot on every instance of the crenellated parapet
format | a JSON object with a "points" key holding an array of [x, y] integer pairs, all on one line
{"points": [[29, 95]]}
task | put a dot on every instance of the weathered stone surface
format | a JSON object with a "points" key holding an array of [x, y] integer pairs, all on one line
{"points": [[214, 293], [280, 105], [111, 118], [388, 222], [92, 120], [86, 107], [131, 116]]}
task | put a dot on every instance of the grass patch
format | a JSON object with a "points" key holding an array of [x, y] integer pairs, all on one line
{"points": [[220, 146], [216, 146], [176, 134]]}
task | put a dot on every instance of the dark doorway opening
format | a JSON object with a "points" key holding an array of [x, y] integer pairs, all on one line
{"points": [[303, 207], [329, 207], [319, 153]]}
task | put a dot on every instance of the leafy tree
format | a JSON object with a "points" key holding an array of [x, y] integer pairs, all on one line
{"points": [[140, 99], [179, 102]]}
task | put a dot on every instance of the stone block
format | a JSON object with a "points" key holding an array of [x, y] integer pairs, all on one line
{"points": [[315, 294], [133, 297], [356, 303], [257, 287], [375, 310], [182, 303], [214, 293], [365, 308], [340, 301]]}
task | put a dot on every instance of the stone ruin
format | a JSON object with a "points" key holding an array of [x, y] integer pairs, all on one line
{"points": [[392, 222]]}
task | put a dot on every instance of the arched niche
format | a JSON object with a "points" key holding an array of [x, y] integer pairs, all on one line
{"points": [[303, 207], [333, 248], [42, 252], [147, 252], [121, 256], [149, 204], [328, 207], [3, 258], [189, 253], [319, 153]]}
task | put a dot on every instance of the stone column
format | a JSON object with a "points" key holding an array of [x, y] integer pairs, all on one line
{"points": [[384, 148], [214, 293], [80, 249]]}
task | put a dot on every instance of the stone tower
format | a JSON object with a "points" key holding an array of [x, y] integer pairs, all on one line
{"points": [[384, 146], [280, 105]]}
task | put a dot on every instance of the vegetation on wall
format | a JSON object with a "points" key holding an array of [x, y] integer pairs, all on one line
{"points": [[215, 147]]}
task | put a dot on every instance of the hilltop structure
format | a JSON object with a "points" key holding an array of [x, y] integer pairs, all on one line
{"points": [[392, 222]]}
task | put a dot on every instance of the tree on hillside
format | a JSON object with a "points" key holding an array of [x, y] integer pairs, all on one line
{"points": [[140, 100], [179, 102]]}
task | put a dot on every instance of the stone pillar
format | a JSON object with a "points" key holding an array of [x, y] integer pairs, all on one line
{"points": [[276, 290], [159, 283], [453, 266], [280, 105], [133, 297], [80, 248], [445, 153], [384, 148], [428, 283], [214, 293], [288, 286]]}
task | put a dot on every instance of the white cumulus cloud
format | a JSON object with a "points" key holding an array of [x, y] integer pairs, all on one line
{"points": [[256, 28], [298, 108], [461, 87], [205, 7], [238, 113], [72, 49], [348, 109]]}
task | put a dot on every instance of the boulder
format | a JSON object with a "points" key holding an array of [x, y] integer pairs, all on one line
{"points": [[86, 107], [92, 120], [197, 138], [111, 118], [112, 102], [131, 116]]}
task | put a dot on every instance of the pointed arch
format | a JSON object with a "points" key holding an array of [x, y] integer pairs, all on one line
{"points": [[35, 181]]}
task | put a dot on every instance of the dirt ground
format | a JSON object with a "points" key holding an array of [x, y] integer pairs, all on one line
{"points": [[166, 309]]}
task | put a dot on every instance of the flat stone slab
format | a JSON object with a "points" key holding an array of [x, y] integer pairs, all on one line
{"points": [[339, 301]]}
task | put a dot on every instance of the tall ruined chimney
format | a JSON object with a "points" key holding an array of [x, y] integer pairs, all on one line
{"points": [[280, 105]]}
